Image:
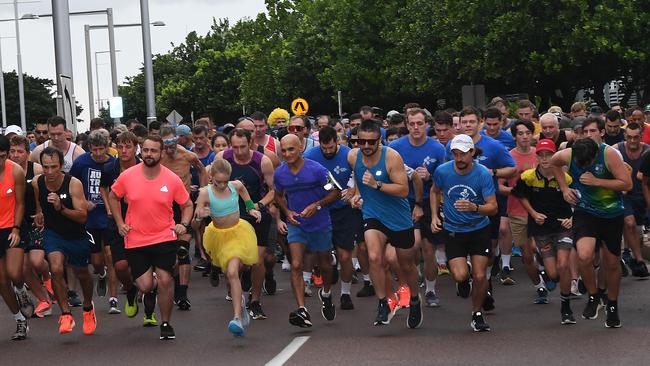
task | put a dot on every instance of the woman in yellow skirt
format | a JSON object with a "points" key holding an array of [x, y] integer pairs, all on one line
{"points": [[228, 240]]}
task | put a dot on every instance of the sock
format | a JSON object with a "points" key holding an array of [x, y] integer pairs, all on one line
{"points": [[366, 277], [441, 257], [306, 276], [19, 317], [602, 292], [431, 286], [149, 301], [182, 291], [130, 294], [415, 299], [505, 260], [345, 287], [566, 302], [488, 272], [611, 303], [89, 308], [326, 294]]}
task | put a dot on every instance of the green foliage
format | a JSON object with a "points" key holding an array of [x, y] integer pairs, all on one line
{"points": [[39, 99]]}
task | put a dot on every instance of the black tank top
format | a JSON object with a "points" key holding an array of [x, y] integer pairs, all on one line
{"points": [[250, 175], [30, 201], [637, 190], [54, 220]]}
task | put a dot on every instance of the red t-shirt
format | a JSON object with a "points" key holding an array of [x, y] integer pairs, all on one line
{"points": [[523, 162], [150, 215], [646, 134]]}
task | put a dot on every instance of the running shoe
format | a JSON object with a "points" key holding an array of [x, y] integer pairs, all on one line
{"points": [[624, 270], [317, 280], [367, 290], [300, 318], [542, 296], [568, 319], [113, 306], [504, 277], [184, 304], [150, 321], [101, 284], [516, 251], [309, 292], [548, 282], [626, 256], [612, 320], [639, 268], [228, 296], [478, 323], [443, 270], [166, 331], [200, 265], [25, 302], [346, 302], [432, 299], [21, 330], [90, 321], [415, 317], [393, 306], [215, 273], [73, 299], [404, 296], [383, 313], [50, 291], [131, 305], [255, 311], [286, 266], [43, 309], [463, 289], [66, 323], [328, 310], [270, 284], [236, 328], [581, 286], [592, 307], [575, 292], [245, 316], [488, 302]]}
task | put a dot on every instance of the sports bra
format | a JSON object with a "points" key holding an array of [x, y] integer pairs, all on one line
{"points": [[220, 207]]}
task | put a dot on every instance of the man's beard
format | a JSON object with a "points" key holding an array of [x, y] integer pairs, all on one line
{"points": [[150, 162]]}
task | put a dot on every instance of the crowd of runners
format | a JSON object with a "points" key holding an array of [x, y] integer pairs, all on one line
{"points": [[390, 202]]}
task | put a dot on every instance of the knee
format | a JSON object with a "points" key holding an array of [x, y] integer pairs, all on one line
{"points": [[121, 266], [232, 273], [296, 266], [56, 270], [629, 223], [459, 275], [375, 258]]}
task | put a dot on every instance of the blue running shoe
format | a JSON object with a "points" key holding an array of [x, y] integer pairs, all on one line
{"points": [[236, 328]]}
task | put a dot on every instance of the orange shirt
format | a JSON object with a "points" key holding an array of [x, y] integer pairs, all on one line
{"points": [[7, 196], [150, 215]]}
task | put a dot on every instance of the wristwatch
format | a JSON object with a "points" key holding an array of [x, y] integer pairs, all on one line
{"points": [[379, 184], [260, 205], [318, 207], [187, 227], [495, 172], [477, 208], [418, 203]]}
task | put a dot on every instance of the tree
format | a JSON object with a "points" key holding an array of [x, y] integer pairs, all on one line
{"points": [[39, 99]]}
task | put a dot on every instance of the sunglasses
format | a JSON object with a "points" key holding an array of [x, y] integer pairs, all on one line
{"points": [[295, 128], [170, 141], [40, 132], [354, 141], [363, 142]]}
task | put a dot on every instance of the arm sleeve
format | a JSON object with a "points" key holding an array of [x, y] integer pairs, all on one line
{"points": [[487, 186], [505, 159]]}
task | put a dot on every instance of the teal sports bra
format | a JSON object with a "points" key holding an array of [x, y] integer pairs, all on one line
{"points": [[220, 207]]}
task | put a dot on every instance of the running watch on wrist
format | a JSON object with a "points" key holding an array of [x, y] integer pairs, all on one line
{"points": [[379, 184], [187, 227]]}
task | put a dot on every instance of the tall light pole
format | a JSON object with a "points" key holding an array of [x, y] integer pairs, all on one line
{"points": [[63, 57], [148, 64], [2, 90], [99, 99], [21, 86]]}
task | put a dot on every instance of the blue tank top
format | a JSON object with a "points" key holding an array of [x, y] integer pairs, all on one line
{"points": [[394, 212], [220, 207], [597, 201]]}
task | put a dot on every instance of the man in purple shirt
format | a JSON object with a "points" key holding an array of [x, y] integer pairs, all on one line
{"points": [[300, 194]]}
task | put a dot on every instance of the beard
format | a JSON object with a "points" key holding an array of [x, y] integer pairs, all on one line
{"points": [[151, 162], [461, 165], [368, 151]]}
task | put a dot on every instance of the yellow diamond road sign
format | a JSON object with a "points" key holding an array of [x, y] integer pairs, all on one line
{"points": [[299, 107]]}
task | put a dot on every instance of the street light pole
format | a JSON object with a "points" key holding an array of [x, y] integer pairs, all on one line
{"points": [[111, 45], [63, 53], [21, 86], [2, 90], [89, 73], [148, 64]]}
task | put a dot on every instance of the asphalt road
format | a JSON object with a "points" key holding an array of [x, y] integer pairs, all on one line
{"points": [[522, 332]]}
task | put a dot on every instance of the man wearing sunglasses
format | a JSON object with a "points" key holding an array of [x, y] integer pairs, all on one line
{"points": [[180, 161], [300, 127], [382, 184], [40, 133], [56, 129]]}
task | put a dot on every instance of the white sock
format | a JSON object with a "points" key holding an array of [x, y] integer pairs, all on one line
{"points": [[19, 316], [306, 276], [431, 285], [345, 287], [441, 256], [488, 272], [366, 277], [505, 260]]}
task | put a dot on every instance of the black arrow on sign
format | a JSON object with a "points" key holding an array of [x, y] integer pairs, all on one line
{"points": [[299, 105]]}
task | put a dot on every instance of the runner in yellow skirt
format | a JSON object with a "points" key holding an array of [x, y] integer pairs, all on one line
{"points": [[228, 240]]}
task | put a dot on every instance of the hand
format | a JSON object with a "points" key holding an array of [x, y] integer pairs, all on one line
{"points": [[347, 194], [194, 188], [282, 227], [356, 201], [201, 213], [291, 217], [588, 179], [369, 180], [123, 229], [54, 199], [109, 213], [566, 223], [423, 173], [38, 220], [436, 224], [570, 195], [256, 214], [417, 213], [180, 229], [14, 238], [538, 217], [310, 210], [465, 205]]}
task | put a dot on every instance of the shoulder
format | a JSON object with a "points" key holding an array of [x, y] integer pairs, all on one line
{"points": [[75, 183], [312, 152], [399, 142], [443, 169], [237, 184], [528, 175]]}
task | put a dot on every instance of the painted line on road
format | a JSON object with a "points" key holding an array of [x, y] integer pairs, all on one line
{"points": [[288, 351]]}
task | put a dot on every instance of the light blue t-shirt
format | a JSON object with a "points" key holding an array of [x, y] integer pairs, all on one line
{"points": [[493, 155], [475, 187], [504, 138], [338, 166], [429, 155]]}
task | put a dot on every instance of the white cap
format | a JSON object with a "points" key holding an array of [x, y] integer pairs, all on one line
{"points": [[390, 113], [13, 129], [462, 142]]}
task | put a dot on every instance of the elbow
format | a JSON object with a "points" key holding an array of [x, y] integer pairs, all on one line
{"points": [[491, 209], [404, 192]]}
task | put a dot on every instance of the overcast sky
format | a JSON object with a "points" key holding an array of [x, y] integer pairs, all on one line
{"points": [[37, 42]]}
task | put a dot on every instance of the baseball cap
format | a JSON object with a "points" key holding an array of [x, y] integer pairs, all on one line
{"points": [[13, 129], [227, 128], [183, 130], [545, 145], [462, 142], [391, 112]]}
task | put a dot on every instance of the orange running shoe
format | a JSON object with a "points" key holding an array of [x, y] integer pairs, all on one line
{"points": [[66, 323], [393, 306], [90, 322], [404, 296], [50, 290], [43, 309], [317, 280]]}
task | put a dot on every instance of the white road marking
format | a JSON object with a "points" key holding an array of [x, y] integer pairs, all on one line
{"points": [[287, 352]]}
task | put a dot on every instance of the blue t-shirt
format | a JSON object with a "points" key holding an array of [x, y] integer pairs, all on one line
{"points": [[504, 138], [475, 187], [493, 155], [32, 146], [303, 189], [429, 155], [89, 172], [338, 166]]}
